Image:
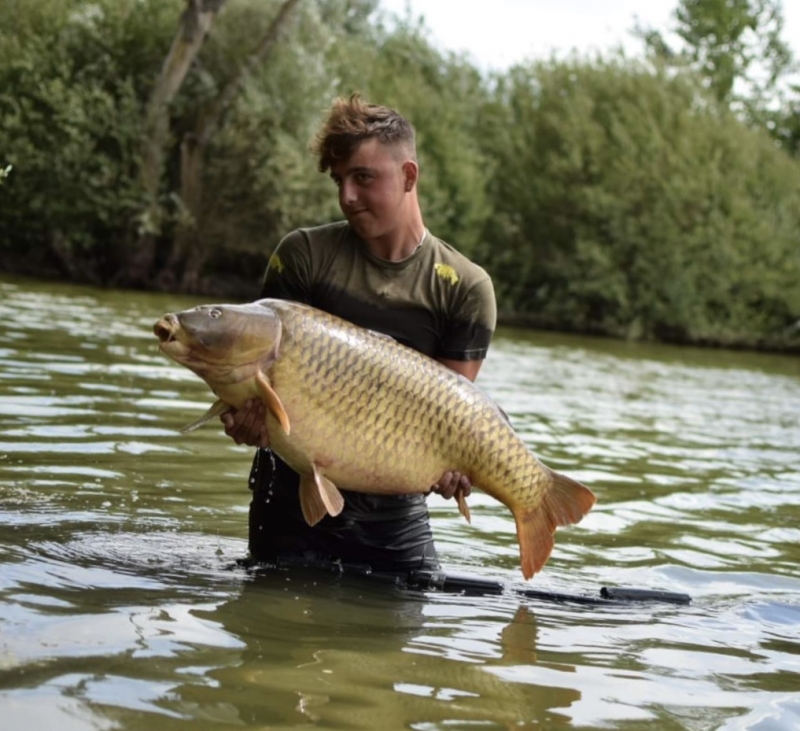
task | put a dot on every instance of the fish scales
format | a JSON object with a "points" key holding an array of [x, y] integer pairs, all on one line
{"points": [[351, 408], [351, 379]]}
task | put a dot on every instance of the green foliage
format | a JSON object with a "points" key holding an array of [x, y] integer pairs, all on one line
{"points": [[727, 39], [628, 203], [70, 121], [603, 195], [737, 49]]}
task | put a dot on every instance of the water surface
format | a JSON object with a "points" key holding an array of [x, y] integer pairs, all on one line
{"points": [[121, 605]]}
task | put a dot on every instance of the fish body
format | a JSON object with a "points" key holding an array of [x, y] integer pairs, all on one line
{"points": [[352, 408]]}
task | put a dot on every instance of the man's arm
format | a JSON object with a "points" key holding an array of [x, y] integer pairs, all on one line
{"points": [[453, 482], [467, 368]]}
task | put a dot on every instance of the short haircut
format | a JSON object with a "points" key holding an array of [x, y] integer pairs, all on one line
{"points": [[351, 122]]}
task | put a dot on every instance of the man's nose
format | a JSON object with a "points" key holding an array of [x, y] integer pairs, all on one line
{"points": [[347, 193]]}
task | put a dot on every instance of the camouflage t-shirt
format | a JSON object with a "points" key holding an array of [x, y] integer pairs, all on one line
{"points": [[436, 301]]}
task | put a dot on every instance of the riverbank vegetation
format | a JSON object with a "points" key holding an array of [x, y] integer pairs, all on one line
{"points": [[164, 144]]}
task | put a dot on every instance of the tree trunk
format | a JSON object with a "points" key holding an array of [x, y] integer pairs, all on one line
{"points": [[195, 23], [186, 241], [186, 245]]}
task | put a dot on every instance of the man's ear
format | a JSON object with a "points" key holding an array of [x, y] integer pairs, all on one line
{"points": [[410, 174]]}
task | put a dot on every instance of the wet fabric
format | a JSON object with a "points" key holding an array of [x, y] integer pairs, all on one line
{"points": [[383, 533]]}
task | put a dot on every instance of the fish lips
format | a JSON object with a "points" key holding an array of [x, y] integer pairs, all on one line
{"points": [[166, 329], [169, 330]]}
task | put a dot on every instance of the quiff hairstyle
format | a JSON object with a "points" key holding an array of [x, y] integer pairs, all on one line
{"points": [[351, 122]]}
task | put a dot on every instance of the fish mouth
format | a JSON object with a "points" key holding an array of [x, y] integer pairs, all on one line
{"points": [[166, 329]]}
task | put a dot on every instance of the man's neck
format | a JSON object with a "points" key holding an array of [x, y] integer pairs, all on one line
{"points": [[399, 246], [403, 241]]}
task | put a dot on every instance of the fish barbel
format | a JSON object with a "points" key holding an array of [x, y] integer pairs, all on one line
{"points": [[350, 407]]}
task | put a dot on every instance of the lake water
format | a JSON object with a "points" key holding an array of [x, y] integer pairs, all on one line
{"points": [[121, 605]]}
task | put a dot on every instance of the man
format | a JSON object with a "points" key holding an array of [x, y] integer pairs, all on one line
{"points": [[381, 269]]}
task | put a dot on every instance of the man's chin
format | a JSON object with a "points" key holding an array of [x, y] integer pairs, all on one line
{"points": [[360, 224]]}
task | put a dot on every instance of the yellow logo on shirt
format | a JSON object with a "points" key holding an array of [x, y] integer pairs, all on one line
{"points": [[275, 263], [446, 272]]}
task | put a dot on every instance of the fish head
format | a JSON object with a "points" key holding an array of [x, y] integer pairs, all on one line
{"points": [[221, 338]]}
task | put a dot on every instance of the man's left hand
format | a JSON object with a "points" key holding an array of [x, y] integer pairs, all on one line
{"points": [[451, 483]]}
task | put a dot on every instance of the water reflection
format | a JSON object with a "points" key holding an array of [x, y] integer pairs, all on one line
{"points": [[121, 605]]}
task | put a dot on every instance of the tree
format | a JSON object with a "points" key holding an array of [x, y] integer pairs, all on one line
{"points": [[735, 45], [193, 150], [194, 25], [70, 124]]}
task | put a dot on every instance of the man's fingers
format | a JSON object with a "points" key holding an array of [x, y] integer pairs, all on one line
{"points": [[247, 425], [249, 418], [446, 485], [451, 483]]}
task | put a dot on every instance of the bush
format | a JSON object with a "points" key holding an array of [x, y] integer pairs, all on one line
{"points": [[627, 202]]}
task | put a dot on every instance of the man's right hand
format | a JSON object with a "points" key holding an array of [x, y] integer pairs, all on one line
{"points": [[247, 425]]}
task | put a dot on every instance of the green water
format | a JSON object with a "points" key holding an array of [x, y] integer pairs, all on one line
{"points": [[121, 606]]}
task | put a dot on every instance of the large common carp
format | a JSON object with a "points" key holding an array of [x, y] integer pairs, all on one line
{"points": [[350, 407]]}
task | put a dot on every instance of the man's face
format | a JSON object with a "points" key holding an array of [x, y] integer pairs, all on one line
{"points": [[373, 186]]}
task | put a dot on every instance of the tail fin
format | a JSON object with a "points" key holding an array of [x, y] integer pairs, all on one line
{"points": [[565, 502]]}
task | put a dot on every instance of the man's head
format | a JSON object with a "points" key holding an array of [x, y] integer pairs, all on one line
{"points": [[371, 155], [352, 121]]}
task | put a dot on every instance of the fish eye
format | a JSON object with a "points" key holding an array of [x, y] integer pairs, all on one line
{"points": [[215, 312]]}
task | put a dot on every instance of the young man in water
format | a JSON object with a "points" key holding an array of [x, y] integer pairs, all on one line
{"points": [[383, 270]]}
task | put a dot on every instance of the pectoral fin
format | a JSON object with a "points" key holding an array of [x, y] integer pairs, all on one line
{"points": [[217, 409], [273, 402], [319, 497]]}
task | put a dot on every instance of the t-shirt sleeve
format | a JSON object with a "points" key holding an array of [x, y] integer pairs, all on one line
{"points": [[288, 275], [472, 324]]}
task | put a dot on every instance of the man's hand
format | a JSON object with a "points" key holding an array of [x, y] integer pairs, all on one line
{"points": [[247, 425], [451, 483]]}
